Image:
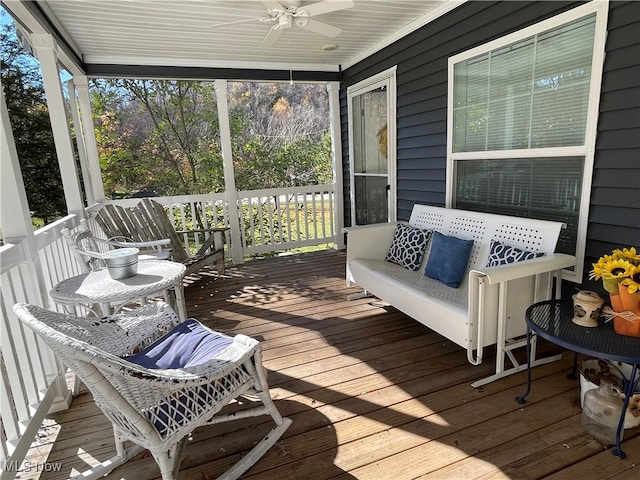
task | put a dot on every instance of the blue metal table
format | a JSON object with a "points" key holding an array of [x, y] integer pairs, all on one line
{"points": [[551, 320]]}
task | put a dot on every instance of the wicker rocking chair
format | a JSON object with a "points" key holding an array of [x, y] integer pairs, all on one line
{"points": [[156, 397]]}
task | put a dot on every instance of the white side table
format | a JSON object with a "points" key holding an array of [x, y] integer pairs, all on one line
{"points": [[154, 277]]}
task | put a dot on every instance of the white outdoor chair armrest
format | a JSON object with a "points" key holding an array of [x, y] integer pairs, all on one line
{"points": [[147, 244], [526, 268]]}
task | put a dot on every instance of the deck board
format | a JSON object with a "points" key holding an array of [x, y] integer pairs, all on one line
{"points": [[372, 395]]}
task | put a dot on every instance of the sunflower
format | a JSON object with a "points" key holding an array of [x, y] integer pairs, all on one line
{"points": [[617, 269], [596, 273], [622, 264], [633, 281], [634, 405], [627, 254]]}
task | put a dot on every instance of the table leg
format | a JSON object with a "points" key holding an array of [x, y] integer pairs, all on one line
{"points": [[628, 392], [521, 398], [105, 307], [181, 308], [572, 375]]}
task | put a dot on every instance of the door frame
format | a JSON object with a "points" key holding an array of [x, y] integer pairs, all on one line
{"points": [[386, 78]]}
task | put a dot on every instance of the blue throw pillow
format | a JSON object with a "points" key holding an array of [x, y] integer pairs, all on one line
{"points": [[408, 246], [448, 259], [501, 254]]}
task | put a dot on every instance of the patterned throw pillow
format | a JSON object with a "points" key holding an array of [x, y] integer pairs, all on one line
{"points": [[501, 254], [408, 246]]}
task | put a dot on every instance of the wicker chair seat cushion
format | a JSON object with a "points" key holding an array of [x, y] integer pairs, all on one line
{"points": [[187, 345]]}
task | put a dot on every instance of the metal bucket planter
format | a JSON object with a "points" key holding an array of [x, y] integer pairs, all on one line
{"points": [[122, 262]]}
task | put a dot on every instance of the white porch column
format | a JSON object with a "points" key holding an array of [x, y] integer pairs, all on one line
{"points": [[80, 143], [231, 194], [336, 153], [44, 47], [89, 135], [15, 219]]}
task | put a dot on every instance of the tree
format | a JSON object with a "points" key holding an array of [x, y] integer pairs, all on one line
{"points": [[164, 136], [31, 126], [158, 135], [281, 135]]}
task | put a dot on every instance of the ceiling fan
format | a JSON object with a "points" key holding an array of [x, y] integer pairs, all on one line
{"points": [[291, 14]]}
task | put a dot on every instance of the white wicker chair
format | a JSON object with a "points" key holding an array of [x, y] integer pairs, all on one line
{"points": [[157, 408]]}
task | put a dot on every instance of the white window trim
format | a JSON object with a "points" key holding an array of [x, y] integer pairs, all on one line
{"points": [[601, 9], [388, 78]]}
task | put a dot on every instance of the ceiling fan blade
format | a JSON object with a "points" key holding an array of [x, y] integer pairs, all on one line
{"points": [[321, 28], [273, 5], [272, 37], [327, 6], [226, 24]]}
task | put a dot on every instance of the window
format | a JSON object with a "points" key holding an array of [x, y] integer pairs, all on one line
{"points": [[522, 119]]}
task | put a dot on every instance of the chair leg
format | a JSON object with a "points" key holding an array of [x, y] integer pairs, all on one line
{"points": [[177, 455], [256, 452], [220, 266], [106, 467], [120, 447], [169, 460], [166, 464], [257, 371]]}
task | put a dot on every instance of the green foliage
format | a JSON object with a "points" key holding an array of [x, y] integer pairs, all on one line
{"points": [[157, 135], [164, 135], [29, 116], [280, 135]]}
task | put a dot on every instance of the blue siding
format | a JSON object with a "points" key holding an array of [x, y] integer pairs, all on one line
{"points": [[421, 60]]}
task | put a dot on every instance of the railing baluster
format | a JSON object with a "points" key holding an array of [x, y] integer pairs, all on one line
{"points": [[288, 217], [313, 215], [261, 206], [277, 207], [307, 228], [332, 229], [298, 210]]}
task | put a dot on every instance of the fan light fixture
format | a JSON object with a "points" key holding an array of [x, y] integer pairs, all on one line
{"points": [[285, 21], [288, 16]]}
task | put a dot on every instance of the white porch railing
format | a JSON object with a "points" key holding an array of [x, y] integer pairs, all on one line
{"points": [[33, 382], [270, 220], [285, 218]]}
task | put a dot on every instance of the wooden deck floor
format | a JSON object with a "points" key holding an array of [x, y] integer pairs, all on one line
{"points": [[372, 395]]}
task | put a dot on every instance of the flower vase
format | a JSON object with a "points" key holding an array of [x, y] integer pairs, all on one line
{"points": [[616, 301], [630, 302]]}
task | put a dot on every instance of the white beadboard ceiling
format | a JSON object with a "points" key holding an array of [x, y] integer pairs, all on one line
{"points": [[193, 33]]}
